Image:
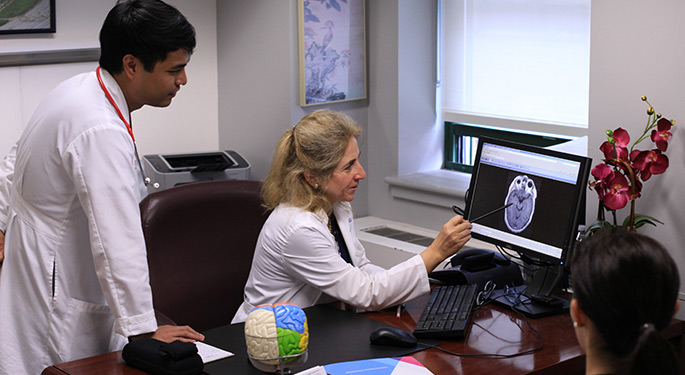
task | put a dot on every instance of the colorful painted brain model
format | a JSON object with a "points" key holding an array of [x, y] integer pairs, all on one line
{"points": [[276, 331]]}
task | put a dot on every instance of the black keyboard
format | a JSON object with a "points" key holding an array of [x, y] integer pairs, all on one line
{"points": [[448, 311]]}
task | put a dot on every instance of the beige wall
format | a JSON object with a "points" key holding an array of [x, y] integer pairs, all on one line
{"points": [[259, 82], [189, 124], [638, 48]]}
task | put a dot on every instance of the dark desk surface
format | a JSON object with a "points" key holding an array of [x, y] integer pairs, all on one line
{"points": [[335, 335], [495, 330]]}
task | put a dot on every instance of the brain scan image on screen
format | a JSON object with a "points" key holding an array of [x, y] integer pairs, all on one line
{"points": [[522, 194]]}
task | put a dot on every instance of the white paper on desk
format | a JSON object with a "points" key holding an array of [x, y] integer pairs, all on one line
{"points": [[316, 370], [211, 353]]}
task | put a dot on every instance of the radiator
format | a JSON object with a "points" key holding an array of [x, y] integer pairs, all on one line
{"points": [[388, 243]]}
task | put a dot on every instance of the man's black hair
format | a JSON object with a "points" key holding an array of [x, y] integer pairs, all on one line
{"points": [[146, 29]]}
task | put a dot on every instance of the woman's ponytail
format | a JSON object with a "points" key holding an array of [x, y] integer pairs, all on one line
{"points": [[653, 354]]}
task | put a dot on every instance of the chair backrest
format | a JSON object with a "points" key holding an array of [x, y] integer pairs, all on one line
{"points": [[200, 240]]}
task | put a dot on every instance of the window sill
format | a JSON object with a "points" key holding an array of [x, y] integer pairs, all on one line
{"points": [[438, 187]]}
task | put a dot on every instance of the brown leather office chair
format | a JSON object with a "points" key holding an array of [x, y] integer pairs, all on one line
{"points": [[200, 240]]}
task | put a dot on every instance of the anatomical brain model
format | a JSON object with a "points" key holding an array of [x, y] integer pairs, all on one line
{"points": [[522, 194], [274, 332]]}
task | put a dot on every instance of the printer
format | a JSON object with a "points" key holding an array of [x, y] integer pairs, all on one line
{"points": [[169, 170]]}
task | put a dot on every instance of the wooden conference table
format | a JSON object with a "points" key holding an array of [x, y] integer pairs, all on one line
{"points": [[495, 330]]}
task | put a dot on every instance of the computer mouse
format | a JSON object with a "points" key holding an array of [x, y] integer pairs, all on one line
{"points": [[393, 336]]}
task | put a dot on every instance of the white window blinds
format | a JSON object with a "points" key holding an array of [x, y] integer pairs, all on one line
{"points": [[516, 62]]}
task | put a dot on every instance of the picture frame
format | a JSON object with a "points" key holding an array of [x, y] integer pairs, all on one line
{"points": [[27, 17], [332, 51]]}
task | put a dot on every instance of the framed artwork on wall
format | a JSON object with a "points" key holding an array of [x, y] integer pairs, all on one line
{"points": [[332, 44], [27, 16]]}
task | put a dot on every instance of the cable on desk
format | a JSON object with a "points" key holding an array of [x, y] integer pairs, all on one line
{"points": [[525, 259], [506, 254], [495, 355]]}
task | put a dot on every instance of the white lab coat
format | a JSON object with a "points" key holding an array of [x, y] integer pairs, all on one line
{"points": [[6, 175], [296, 260], [75, 269]]}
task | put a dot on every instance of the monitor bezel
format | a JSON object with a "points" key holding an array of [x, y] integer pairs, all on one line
{"points": [[579, 191]]}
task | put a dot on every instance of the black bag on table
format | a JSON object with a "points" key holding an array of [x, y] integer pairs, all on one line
{"points": [[160, 358]]}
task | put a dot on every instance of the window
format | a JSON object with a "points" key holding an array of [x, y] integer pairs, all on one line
{"points": [[513, 65], [461, 141]]}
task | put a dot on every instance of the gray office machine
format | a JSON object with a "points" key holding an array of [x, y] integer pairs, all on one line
{"points": [[165, 171]]}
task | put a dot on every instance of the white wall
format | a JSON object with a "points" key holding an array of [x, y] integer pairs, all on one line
{"points": [[419, 123], [189, 124], [640, 50], [404, 134], [257, 83], [382, 135], [22, 88]]}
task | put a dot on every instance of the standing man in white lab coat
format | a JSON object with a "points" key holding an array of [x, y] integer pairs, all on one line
{"points": [[74, 280]]}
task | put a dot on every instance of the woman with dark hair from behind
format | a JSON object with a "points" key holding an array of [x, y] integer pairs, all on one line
{"points": [[625, 294]]}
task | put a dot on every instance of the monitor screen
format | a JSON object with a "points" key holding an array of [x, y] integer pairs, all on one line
{"points": [[542, 190]]}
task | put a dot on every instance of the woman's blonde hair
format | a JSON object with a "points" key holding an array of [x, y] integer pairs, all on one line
{"points": [[315, 144]]}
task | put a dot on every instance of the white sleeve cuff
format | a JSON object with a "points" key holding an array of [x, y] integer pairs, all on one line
{"points": [[136, 325]]}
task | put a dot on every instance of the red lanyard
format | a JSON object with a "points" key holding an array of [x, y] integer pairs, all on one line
{"points": [[146, 180], [116, 107]]}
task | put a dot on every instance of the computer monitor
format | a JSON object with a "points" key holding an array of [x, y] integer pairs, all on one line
{"points": [[543, 191]]}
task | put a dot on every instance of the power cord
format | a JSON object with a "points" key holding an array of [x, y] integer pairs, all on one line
{"points": [[496, 355]]}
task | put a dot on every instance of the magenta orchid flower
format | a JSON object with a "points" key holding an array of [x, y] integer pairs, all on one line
{"points": [[621, 139], [661, 135], [617, 194], [649, 163], [619, 178], [602, 174]]}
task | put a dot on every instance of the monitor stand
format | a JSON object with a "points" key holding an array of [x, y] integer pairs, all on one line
{"points": [[535, 300]]}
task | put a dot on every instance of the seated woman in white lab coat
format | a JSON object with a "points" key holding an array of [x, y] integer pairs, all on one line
{"points": [[625, 293], [307, 252]]}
